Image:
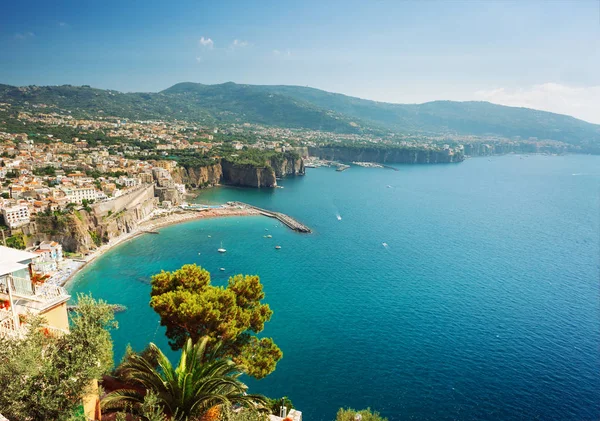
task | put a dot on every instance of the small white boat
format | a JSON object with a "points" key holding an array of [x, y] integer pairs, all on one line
{"points": [[199, 254], [221, 250], [339, 217], [269, 236], [389, 187], [209, 236], [384, 244], [222, 269], [277, 247]]}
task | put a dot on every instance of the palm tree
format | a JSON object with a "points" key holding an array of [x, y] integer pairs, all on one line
{"points": [[195, 389]]}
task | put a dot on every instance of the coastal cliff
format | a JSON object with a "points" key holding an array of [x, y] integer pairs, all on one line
{"points": [[248, 175], [287, 166], [198, 177], [502, 148], [80, 231], [396, 155], [242, 172]]}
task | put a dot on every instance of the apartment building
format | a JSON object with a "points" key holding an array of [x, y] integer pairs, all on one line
{"points": [[15, 216], [77, 195]]}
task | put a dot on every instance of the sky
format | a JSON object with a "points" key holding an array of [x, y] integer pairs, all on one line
{"points": [[537, 54]]}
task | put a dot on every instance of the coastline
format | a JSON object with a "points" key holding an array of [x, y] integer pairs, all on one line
{"points": [[157, 219]]}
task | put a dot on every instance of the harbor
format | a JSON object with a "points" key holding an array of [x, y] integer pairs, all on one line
{"points": [[283, 218]]}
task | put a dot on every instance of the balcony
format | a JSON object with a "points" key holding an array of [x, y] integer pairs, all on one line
{"points": [[32, 298]]}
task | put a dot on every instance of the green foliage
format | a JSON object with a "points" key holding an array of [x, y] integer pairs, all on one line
{"points": [[5, 195], [246, 414], [366, 415], [190, 307], [275, 404], [17, 241], [12, 174], [260, 158], [200, 382], [44, 377], [95, 238], [45, 171], [86, 204]]}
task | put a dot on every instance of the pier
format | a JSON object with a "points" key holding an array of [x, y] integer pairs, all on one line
{"points": [[283, 218]]}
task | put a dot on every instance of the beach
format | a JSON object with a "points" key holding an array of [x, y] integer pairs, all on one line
{"points": [[157, 219]]}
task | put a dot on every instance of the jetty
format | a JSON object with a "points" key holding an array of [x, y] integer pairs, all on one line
{"points": [[281, 217]]}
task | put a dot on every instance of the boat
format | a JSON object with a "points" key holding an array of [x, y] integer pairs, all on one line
{"points": [[277, 247], [339, 217], [389, 187], [209, 236], [222, 269], [384, 244], [221, 250], [269, 236]]}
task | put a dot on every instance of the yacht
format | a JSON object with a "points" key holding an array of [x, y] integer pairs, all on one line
{"points": [[221, 250], [277, 247], [269, 236], [222, 269]]}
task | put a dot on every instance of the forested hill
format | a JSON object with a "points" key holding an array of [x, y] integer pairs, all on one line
{"points": [[477, 118], [302, 107]]}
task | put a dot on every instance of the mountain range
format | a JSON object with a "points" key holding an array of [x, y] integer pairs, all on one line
{"points": [[309, 108]]}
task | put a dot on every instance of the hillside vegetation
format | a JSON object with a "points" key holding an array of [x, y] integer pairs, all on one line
{"points": [[308, 108]]}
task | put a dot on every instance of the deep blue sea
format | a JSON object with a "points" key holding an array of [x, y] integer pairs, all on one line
{"points": [[484, 305]]}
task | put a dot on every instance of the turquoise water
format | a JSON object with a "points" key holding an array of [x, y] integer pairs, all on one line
{"points": [[483, 306]]}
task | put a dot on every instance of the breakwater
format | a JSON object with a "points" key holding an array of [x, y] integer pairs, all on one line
{"points": [[281, 217]]}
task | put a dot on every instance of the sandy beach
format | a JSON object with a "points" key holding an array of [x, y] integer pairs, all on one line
{"points": [[157, 219]]}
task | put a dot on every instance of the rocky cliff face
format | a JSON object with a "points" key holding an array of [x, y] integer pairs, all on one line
{"points": [[248, 176], [486, 149], [71, 230], [386, 156], [285, 167], [239, 175], [198, 177], [82, 231]]}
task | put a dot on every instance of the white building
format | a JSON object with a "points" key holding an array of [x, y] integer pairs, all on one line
{"points": [[128, 182], [100, 196], [15, 216], [180, 188], [78, 195]]}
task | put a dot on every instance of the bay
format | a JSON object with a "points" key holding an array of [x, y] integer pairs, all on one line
{"points": [[483, 303]]}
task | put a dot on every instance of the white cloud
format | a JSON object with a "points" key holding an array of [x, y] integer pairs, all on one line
{"points": [[286, 53], [206, 42], [239, 43], [24, 35], [579, 102]]}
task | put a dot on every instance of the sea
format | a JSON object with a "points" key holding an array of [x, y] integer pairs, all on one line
{"points": [[462, 291]]}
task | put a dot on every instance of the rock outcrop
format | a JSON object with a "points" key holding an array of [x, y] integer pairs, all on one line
{"points": [[406, 155], [501, 148], [198, 177], [81, 231], [287, 166], [248, 175]]}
